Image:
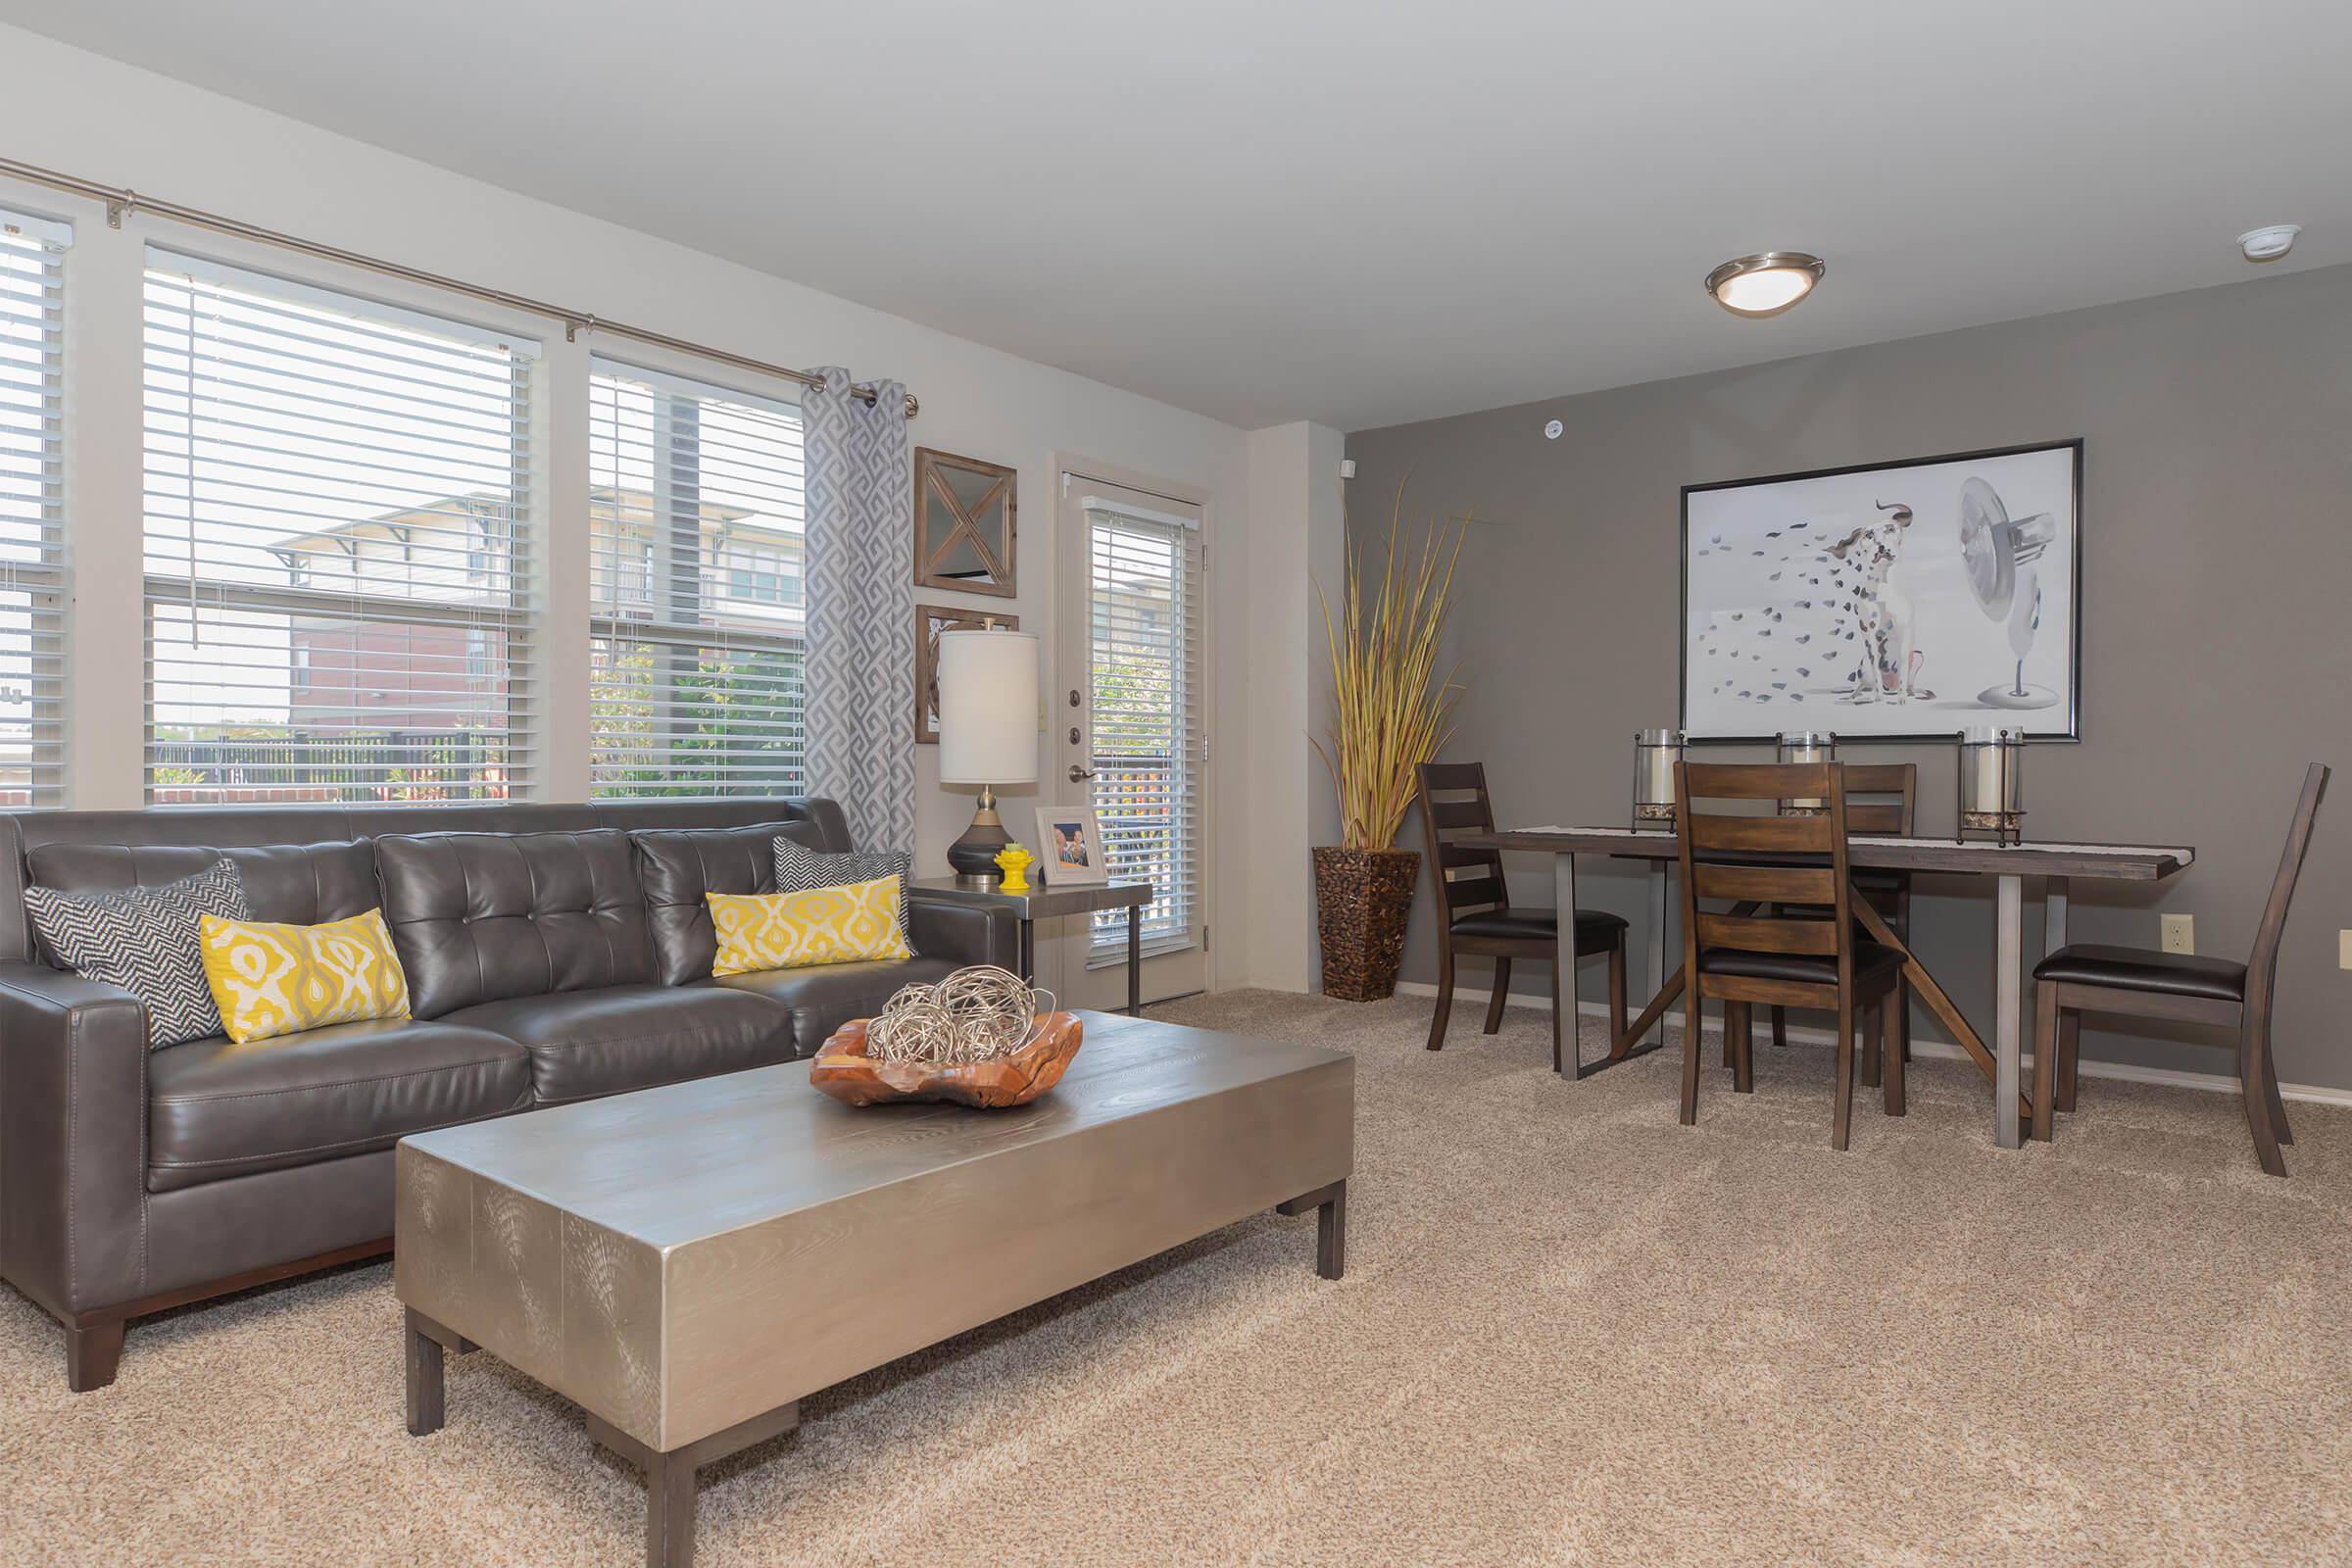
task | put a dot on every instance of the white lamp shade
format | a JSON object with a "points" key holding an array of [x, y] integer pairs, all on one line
{"points": [[987, 707]]}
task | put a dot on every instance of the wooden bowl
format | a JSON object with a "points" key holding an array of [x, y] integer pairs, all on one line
{"points": [[845, 1071]]}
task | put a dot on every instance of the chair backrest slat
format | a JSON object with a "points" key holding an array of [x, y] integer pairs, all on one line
{"points": [[1469, 814], [1865, 813], [1761, 835], [1754, 935], [1790, 884], [1465, 879], [2263, 966]]}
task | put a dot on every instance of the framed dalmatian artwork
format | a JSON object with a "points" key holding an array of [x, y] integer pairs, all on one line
{"points": [[1895, 600]]}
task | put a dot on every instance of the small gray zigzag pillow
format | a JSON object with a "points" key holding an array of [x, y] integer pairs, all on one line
{"points": [[145, 940]]}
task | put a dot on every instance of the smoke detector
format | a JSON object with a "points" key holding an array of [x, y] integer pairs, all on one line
{"points": [[2269, 242]]}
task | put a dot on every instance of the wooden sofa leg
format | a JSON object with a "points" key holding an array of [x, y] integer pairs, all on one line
{"points": [[93, 1354]]}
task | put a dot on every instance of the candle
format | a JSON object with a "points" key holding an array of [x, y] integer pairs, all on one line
{"points": [[1655, 752], [1807, 746], [1992, 782]]}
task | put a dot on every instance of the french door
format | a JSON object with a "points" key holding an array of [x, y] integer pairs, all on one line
{"points": [[1130, 714]]}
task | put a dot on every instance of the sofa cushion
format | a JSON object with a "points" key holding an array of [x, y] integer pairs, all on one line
{"points": [[679, 866], [148, 941], [217, 1110], [482, 916], [825, 998], [800, 869], [296, 884], [584, 1044]]}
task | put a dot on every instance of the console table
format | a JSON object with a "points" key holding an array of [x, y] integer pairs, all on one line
{"points": [[2009, 864], [1043, 901]]}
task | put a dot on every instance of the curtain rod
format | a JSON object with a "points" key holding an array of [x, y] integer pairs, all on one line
{"points": [[120, 202]]}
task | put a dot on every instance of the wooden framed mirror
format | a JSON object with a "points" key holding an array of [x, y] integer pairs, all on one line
{"points": [[965, 521], [929, 622]]}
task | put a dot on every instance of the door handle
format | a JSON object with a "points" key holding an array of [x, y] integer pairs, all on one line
{"points": [[1079, 775]]}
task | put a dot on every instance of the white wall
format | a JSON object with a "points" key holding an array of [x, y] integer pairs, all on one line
{"points": [[91, 117], [1296, 539]]}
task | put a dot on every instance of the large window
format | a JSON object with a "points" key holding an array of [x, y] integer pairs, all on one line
{"points": [[337, 549], [1144, 607], [697, 527], [31, 510]]}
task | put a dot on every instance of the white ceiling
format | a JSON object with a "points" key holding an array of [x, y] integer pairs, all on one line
{"points": [[1363, 213]]}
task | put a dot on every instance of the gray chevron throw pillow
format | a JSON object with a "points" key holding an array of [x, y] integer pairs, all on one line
{"points": [[144, 941], [800, 869]]}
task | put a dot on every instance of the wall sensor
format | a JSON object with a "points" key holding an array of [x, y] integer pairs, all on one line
{"points": [[2270, 242], [1553, 430]]}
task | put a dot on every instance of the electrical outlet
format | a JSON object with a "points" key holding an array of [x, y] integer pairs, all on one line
{"points": [[2180, 933], [2343, 950]]}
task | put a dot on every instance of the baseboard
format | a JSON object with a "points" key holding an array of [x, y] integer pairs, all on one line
{"points": [[2121, 1071]]}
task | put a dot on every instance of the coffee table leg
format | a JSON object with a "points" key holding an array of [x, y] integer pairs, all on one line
{"points": [[669, 1487], [670, 1494], [1330, 1204], [427, 1407]]}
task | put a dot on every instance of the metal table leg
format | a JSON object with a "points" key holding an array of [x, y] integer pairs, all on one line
{"points": [[2008, 984], [1135, 961], [1563, 969], [1028, 950]]}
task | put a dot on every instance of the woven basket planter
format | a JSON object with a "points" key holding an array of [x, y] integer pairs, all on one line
{"points": [[1362, 900]]}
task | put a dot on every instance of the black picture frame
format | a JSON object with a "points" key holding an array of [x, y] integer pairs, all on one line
{"points": [[2073, 706]]}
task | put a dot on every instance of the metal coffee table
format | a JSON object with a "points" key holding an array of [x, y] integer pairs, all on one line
{"points": [[687, 1263]]}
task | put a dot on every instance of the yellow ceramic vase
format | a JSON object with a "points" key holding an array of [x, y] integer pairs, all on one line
{"points": [[1015, 861]]}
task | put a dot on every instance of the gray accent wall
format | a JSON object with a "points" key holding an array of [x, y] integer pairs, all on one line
{"points": [[2217, 609]]}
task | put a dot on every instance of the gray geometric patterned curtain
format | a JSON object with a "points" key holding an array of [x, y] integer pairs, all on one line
{"points": [[861, 661]]}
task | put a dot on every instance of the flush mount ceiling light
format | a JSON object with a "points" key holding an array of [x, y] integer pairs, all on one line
{"points": [[1765, 283], [2268, 244]]}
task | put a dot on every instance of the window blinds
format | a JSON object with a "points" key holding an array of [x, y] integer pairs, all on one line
{"points": [[337, 546], [1144, 603], [33, 591], [697, 622]]}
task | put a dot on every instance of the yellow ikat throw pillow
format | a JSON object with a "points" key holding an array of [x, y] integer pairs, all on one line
{"points": [[846, 924], [275, 980]]}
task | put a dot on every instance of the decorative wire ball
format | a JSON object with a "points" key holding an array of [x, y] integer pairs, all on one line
{"points": [[975, 1014]]}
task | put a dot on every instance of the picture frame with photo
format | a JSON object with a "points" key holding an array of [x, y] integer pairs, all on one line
{"points": [[1069, 845]]}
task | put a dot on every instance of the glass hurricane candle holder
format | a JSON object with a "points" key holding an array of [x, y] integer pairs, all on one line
{"points": [[1991, 784], [1655, 752], [1807, 746]]}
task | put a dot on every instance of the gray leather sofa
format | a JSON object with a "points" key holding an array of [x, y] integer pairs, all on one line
{"points": [[553, 952]]}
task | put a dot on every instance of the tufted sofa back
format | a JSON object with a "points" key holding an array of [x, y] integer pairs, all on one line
{"points": [[483, 916], [308, 864]]}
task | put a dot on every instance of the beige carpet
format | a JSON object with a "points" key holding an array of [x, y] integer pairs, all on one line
{"points": [[1571, 1332]]}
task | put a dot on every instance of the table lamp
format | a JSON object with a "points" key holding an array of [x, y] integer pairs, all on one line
{"points": [[987, 733]]}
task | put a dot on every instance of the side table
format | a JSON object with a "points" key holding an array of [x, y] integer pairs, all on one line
{"points": [[1043, 901]]}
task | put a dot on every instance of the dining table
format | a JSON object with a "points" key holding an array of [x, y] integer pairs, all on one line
{"points": [[2056, 866]]}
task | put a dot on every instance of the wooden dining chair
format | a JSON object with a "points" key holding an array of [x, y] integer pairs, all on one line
{"points": [[2146, 983], [1476, 917], [1880, 798], [1789, 939]]}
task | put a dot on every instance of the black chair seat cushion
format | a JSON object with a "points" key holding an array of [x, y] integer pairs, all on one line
{"points": [[217, 1110], [1804, 968], [824, 998], [1594, 928], [2178, 974], [587, 1043]]}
